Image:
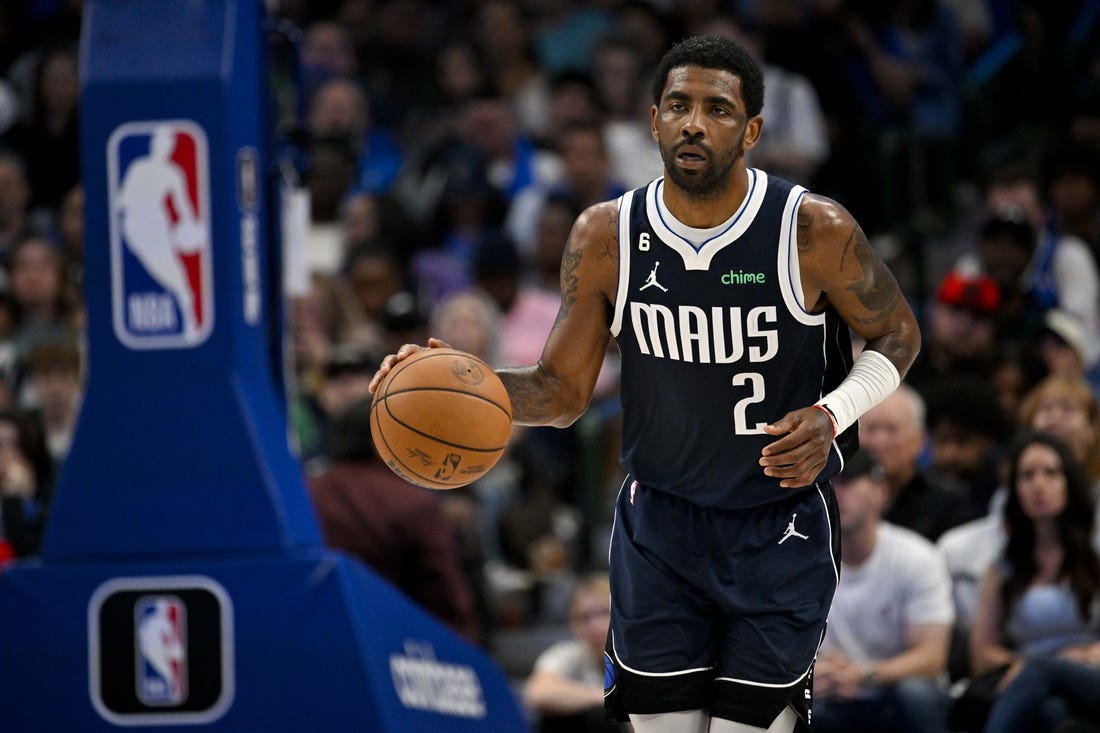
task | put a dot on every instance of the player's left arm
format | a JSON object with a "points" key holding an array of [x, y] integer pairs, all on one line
{"points": [[840, 268]]}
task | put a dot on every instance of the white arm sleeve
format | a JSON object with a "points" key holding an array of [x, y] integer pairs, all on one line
{"points": [[871, 379]]}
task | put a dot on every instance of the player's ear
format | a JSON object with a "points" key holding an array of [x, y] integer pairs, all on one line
{"points": [[653, 122], [752, 131]]}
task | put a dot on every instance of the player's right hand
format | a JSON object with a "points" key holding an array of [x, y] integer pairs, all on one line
{"points": [[403, 353]]}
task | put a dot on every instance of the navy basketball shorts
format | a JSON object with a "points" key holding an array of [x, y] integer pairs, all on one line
{"points": [[720, 610]]}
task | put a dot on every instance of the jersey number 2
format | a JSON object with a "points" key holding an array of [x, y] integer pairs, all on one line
{"points": [[755, 381]]}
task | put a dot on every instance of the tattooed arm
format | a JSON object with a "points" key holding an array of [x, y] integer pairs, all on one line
{"points": [[839, 268], [556, 391]]}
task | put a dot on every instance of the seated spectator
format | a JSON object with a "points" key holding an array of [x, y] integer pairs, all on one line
{"points": [[398, 529], [966, 428], [469, 320], [341, 109], [919, 498], [1066, 407], [527, 313], [26, 485], [565, 689], [55, 379], [327, 50], [372, 275], [1061, 271], [347, 372], [586, 180], [1036, 621], [885, 651], [46, 305], [47, 136], [1061, 341], [960, 337]]}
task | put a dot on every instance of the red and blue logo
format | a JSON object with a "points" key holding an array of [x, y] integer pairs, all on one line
{"points": [[160, 639], [160, 223]]}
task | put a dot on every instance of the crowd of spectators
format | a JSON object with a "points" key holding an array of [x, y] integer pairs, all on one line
{"points": [[446, 149]]}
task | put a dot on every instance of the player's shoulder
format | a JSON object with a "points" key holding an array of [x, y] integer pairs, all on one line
{"points": [[596, 230], [599, 218], [822, 216]]}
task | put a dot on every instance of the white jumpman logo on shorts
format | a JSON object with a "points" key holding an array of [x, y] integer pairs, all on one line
{"points": [[791, 532], [652, 279]]}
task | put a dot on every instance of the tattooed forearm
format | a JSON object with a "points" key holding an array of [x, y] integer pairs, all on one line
{"points": [[531, 396]]}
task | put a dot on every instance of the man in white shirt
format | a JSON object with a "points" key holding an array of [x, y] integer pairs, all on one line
{"points": [[881, 664]]}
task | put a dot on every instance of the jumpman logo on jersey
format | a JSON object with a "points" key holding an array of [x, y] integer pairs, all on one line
{"points": [[791, 532], [651, 281]]}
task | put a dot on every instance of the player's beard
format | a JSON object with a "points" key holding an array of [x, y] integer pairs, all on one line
{"points": [[712, 178]]}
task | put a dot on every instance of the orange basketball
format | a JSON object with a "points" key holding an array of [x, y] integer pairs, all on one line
{"points": [[441, 418]]}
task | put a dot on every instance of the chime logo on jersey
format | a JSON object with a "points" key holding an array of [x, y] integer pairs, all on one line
{"points": [[160, 638], [161, 270]]}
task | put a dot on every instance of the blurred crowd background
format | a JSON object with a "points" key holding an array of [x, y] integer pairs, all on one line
{"points": [[447, 148]]}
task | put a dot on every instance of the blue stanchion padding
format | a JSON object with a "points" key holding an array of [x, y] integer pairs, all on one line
{"points": [[313, 643], [182, 444], [182, 583]]}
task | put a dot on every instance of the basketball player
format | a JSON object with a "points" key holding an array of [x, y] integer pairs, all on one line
{"points": [[740, 400]]}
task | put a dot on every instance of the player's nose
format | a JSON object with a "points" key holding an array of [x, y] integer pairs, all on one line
{"points": [[693, 124]]}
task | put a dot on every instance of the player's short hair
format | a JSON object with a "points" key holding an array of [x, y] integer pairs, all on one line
{"points": [[714, 52]]}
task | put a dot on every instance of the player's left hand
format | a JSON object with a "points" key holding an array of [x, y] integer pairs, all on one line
{"points": [[798, 457]]}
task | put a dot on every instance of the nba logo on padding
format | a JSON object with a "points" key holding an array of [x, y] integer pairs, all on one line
{"points": [[160, 638], [161, 271]]}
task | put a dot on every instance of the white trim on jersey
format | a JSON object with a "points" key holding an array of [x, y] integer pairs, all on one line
{"points": [[681, 238], [625, 202], [791, 285]]}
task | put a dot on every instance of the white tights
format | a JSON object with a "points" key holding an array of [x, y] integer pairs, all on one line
{"points": [[697, 721]]}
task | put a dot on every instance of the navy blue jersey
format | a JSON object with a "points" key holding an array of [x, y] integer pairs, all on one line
{"points": [[715, 344]]}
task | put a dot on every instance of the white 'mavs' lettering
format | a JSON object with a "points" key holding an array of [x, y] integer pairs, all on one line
{"points": [[694, 335]]}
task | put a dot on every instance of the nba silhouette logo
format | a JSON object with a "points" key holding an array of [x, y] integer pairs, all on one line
{"points": [[160, 640], [161, 269]]}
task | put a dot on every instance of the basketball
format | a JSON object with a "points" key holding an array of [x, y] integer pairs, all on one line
{"points": [[441, 418]]}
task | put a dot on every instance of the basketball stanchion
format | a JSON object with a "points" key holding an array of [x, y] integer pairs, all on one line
{"points": [[182, 580]]}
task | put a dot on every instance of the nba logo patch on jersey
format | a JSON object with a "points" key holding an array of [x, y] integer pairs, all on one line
{"points": [[160, 642], [161, 269]]}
